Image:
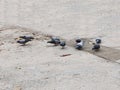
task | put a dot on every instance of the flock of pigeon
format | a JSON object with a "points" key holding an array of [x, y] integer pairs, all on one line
{"points": [[79, 43], [56, 41]]}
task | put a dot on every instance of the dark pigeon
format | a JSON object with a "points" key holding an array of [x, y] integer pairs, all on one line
{"points": [[96, 47], [23, 41], [63, 44], [55, 41], [27, 37]]}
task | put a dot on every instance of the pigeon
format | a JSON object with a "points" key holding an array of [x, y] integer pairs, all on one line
{"points": [[98, 41], [63, 44], [78, 40], [55, 41], [23, 41], [79, 45], [96, 47], [27, 37]]}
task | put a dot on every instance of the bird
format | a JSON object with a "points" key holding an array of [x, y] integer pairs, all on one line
{"points": [[63, 44], [27, 37], [78, 40], [79, 45], [96, 47], [23, 41], [55, 41], [98, 41]]}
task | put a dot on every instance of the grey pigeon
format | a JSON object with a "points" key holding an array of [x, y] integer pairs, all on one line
{"points": [[55, 41], [79, 45], [23, 41], [27, 37]]}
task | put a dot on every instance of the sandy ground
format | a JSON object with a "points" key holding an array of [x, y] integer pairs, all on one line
{"points": [[39, 66]]}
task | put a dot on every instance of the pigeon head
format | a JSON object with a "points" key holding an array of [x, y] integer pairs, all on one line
{"points": [[98, 41], [78, 40], [62, 43]]}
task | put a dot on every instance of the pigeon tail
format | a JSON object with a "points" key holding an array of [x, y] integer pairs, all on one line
{"points": [[51, 42]]}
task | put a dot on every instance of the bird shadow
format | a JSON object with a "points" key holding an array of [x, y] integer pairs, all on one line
{"points": [[63, 48], [26, 45]]}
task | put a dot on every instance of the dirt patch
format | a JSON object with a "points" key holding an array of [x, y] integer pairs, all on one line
{"points": [[107, 53]]}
